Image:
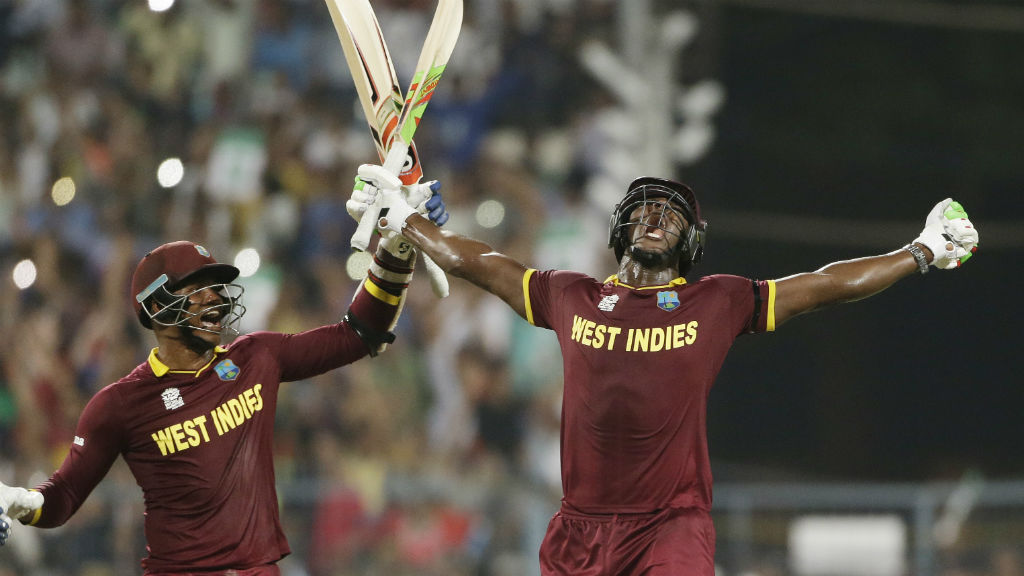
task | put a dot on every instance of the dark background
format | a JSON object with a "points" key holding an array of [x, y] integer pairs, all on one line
{"points": [[841, 118]]}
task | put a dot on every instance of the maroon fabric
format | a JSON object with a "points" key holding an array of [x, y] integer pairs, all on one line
{"points": [[638, 367], [672, 542], [200, 446]]}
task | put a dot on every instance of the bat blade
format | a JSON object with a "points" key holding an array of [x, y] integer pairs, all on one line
{"points": [[373, 73]]}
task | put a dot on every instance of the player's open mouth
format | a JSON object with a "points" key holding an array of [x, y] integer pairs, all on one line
{"points": [[211, 319], [654, 233]]}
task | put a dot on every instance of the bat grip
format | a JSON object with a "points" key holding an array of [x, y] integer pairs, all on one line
{"points": [[361, 237], [438, 281]]}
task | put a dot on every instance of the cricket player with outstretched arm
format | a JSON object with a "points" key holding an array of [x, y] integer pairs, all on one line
{"points": [[641, 351], [195, 422]]}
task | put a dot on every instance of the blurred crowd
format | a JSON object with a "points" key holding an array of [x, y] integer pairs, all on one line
{"points": [[438, 457]]}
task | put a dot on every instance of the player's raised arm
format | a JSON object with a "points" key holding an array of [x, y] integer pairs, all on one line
{"points": [[947, 241], [457, 255]]}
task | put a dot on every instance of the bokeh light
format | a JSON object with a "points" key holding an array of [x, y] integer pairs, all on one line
{"points": [[24, 274], [357, 265], [63, 191], [170, 172], [490, 213], [160, 5], [247, 261]]}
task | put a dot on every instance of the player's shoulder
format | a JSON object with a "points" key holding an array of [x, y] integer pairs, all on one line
{"points": [[564, 279], [723, 281]]}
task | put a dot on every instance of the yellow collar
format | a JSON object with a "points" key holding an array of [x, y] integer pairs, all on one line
{"points": [[614, 279], [160, 369]]}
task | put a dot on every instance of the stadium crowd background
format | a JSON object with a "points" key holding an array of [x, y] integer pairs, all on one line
{"points": [[441, 456]]}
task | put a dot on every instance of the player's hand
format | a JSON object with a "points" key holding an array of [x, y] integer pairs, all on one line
{"points": [[426, 198], [398, 211], [16, 503], [370, 180], [949, 234]]}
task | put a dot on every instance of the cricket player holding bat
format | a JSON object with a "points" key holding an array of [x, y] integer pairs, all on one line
{"points": [[195, 422], [641, 351]]}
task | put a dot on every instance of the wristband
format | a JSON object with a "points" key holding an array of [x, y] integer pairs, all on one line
{"points": [[919, 257]]}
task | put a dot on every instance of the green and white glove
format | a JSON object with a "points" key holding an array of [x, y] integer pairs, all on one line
{"points": [[374, 184], [949, 234]]}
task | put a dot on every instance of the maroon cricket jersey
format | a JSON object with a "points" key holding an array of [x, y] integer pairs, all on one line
{"points": [[638, 366], [200, 445]]}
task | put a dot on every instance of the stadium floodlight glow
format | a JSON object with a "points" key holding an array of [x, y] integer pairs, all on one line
{"points": [[357, 265], [63, 191], [490, 213], [160, 5], [170, 172], [247, 261], [24, 274]]}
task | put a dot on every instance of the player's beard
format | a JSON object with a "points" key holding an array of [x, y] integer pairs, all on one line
{"points": [[652, 259], [191, 339]]}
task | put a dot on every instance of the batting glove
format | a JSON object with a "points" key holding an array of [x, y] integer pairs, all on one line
{"points": [[949, 234], [16, 503], [398, 211], [426, 198], [372, 178]]}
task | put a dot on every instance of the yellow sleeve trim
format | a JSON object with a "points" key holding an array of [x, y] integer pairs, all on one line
{"points": [[526, 294], [36, 516], [380, 294], [771, 306]]}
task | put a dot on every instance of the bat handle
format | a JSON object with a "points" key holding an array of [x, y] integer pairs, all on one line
{"points": [[438, 280], [395, 163], [361, 237]]}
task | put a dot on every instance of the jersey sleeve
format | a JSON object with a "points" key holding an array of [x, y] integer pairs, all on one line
{"points": [[312, 352], [541, 290], [99, 438], [751, 303]]}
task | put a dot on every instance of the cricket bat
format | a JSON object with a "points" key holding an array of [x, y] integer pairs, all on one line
{"points": [[393, 122]]}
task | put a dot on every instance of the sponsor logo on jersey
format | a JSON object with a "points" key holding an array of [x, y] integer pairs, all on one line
{"points": [[172, 398], [607, 304], [668, 300], [79, 441], [227, 370]]}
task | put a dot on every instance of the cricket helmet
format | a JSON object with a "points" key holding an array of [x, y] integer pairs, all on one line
{"points": [[646, 189], [171, 266]]}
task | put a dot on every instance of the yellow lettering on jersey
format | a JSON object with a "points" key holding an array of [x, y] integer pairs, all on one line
{"points": [[226, 417], [181, 436], [590, 333], [679, 335], [577, 327], [601, 336], [236, 411], [642, 338], [658, 338], [612, 333]]}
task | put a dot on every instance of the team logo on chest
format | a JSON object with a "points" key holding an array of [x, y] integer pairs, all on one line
{"points": [[172, 398], [227, 370], [607, 304], [668, 300]]}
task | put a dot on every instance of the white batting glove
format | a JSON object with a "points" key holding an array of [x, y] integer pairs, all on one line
{"points": [[398, 211], [426, 198], [16, 503], [949, 234], [370, 180]]}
